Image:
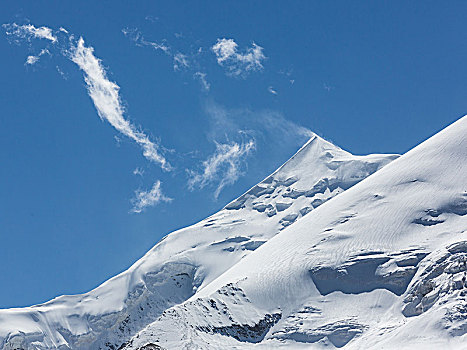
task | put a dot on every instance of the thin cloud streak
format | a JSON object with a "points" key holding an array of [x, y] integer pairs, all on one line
{"points": [[137, 37], [144, 199], [180, 60], [105, 95], [28, 31], [262, 124], [203, 80], [224, 167]]}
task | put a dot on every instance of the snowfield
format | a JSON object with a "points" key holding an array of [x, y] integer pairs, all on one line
{"points": [[330, 251]]}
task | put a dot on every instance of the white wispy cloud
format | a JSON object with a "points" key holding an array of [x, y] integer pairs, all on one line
{"points": [[152, 19], [202, 77], [277, 125], [137, 37], [138, 171], [263, 124], [224, 167], [259, 130], [180, 61], [28, 31], [103, 92], [31, 60], [144, 199], [105, 95], [272, 90], [238, 63]]}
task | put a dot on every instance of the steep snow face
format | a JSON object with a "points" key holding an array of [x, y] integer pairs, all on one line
{"points": [[189, 259], [383, 265]]}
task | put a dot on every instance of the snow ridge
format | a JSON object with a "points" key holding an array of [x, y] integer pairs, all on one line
{"points": [[186, 261]]}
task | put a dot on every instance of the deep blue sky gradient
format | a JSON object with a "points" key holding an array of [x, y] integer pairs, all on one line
{"points": [[369, 76]]}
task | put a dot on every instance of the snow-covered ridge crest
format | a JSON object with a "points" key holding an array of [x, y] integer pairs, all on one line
{"points": [[187, 260], [381, 266]]}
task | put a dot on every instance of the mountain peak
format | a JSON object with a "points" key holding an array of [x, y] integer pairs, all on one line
{"points": [[376, 267], [188, 260]]}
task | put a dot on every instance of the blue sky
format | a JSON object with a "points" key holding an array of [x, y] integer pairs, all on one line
{"points": [[166, 111]]}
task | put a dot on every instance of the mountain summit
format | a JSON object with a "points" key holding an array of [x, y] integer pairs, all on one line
{"points": [[311, 256], [383, 265]]}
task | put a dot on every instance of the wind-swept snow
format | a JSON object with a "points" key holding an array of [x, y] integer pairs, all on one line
{"points": [[188, 260], [381, 266]]}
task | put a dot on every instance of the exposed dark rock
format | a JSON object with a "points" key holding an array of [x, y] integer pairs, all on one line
{"points": [[245, 332], [151, 346]]}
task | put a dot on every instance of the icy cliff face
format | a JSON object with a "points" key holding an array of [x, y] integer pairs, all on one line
{"points": [[381, 266], [188, 260]]}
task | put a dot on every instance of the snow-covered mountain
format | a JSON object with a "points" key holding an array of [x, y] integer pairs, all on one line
{"points": [[188, 260], [312, 257], [289, 264], [381, 266]]}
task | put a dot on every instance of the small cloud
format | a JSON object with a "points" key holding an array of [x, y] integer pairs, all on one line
{"points": [[203, 81], [138, 171], [225, 49], [180, 61], [151, 19], [237, 63], [31, 60], [328, 87], [224, 167], [292, 81], [272, 90], [144, 199], [105, 95], [28, 31], [137, 37]]}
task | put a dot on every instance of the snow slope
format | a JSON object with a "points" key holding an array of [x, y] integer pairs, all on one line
{"points": [[191, 259], [381, 266]]}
